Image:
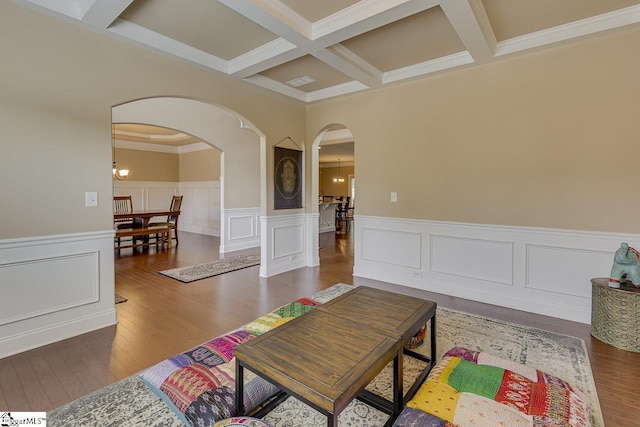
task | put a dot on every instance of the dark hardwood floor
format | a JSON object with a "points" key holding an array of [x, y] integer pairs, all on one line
{"points": [[163, 317]]}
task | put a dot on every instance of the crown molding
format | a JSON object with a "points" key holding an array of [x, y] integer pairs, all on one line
{"points": [[337, 136], [584, 27], [159, 148], [428, 67], [275, 86], [341, 89]]}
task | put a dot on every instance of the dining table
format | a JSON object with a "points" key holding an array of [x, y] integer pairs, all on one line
{"points": [[144, 215]]}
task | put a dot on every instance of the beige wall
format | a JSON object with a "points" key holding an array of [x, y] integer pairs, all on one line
{"points": [[335, 189], [203, 165], [200, 166], [58, 86], [548, 139], [148, 165]]}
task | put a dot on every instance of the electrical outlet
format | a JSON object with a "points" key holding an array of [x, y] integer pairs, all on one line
{"points": [[91, 199], [394, 197]]}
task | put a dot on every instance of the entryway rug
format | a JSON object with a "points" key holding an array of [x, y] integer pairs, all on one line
{"points": [[212, 268], [120, 298]]}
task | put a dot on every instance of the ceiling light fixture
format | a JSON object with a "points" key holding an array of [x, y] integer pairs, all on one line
{"points": [[339, 178], [118, 174]]}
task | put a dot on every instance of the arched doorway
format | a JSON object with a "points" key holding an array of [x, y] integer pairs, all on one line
{"points": [[333, 179], [242, 170]]}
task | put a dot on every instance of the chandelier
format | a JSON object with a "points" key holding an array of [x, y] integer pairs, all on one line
{"points": [[339, 178], [119, 174]]}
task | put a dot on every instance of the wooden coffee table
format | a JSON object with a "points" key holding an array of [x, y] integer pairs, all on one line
{"points": [[326, 358]]}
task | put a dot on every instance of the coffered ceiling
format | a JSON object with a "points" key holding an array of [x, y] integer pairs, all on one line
{"points": [[317, 49]]}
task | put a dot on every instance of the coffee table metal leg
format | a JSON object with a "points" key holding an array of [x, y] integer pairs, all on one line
{"points": [[433, 340], [239, 389], [397, 384], [332, 420]]}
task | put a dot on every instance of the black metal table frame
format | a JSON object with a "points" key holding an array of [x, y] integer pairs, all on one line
{"points": [[372, 399]]}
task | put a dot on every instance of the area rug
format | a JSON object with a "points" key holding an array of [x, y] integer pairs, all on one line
{"points": [[120, 298], [130, 402], [212, 268], [560, 355]]}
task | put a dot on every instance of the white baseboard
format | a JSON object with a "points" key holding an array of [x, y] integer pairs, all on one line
{"points": [[544, 271], [35, 338]]}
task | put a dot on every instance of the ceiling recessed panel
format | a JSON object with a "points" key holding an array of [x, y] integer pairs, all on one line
{"points": [[152, 134], [307, 66], [204, 24], [315, 10], [418, 38], [513, 18], [331, 153]]}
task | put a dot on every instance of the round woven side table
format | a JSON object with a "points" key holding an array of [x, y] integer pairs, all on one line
{"points": [[615, 314]]}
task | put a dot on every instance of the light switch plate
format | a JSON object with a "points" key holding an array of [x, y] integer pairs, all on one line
{"points": [[91, 199]]}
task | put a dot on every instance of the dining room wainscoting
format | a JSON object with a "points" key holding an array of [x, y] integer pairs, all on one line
{"points": [[201, 207], [55, 287], [540, 270]]}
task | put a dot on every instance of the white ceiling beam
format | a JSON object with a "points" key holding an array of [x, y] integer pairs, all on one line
{"points": [[146, 38], [276, 17], [355, 20], [364, 16], [469, 19], [264, 57], [350, 64], [102, 13], [275, 86]]}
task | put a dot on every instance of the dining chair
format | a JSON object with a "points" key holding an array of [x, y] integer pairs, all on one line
{"points": [[341, 212], [124, 205], [172, 220]]}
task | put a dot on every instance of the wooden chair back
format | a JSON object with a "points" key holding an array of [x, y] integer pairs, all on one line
{"points": [[122, 205], [176, 202]]}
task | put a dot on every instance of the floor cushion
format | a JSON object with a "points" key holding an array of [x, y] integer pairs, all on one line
{"points": [[472, 388]]}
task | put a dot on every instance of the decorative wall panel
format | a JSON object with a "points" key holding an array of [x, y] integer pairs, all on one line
{"points": [[55, 287], [392, 247], [543, 271], [565, 270], [474, 258]]}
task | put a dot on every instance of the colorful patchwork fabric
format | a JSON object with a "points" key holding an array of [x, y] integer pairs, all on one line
{"points": [[296, 308], [411, 417], [263, 324], [199, 384], [211, 406], [471, 388]]}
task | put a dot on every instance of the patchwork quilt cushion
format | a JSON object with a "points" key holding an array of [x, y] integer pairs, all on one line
{"points": [[471, 388], [199, 384]]}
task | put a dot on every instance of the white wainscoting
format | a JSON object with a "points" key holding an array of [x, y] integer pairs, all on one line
{"points": [[544, 271], [241, 229], [55, 287], [201, 206], [283, 243]]}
